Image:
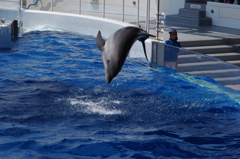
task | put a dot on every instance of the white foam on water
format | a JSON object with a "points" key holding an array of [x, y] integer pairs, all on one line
{"points": [[91, 107], [38, 28]]}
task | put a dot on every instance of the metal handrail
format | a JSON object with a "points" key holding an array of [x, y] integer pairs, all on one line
{"points": [[104, 4], [32, 4], [138, 13], [147, 23], [123, 10], [158, 23]]}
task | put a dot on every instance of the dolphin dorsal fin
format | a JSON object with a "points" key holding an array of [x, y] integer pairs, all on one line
{"points": [[100, 41]]}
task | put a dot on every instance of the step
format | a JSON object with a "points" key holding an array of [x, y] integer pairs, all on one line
{"points": [[188, 21], [192, 13], [234, 62], [193, 58], [197, 1], [229, 56], [221, 73], [202, 66], [232, 40], [224, 74], [228, 80], [224, 41], [212, 49], [202, 43], [217, 73]]}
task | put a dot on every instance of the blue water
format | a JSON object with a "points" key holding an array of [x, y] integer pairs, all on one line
{"points": [[55, 104]]}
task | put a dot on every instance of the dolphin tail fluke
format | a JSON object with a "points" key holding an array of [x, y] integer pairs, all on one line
{"points": [[100, 41]]}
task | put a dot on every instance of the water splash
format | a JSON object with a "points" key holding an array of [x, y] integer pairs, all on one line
{"points": [[40, 28], [94, 107]]}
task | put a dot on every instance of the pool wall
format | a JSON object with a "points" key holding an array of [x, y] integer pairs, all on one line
{"points": [[9, 14], [82, 24]]}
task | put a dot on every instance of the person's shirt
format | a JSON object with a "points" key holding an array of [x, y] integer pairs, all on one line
{"points": [[171, 53], [173, 43]]}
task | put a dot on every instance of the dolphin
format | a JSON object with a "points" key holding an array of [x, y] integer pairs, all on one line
{"points": [[116, 48]]}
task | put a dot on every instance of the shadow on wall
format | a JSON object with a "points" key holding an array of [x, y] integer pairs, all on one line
{"points": [[48, 6], [95, 4]]}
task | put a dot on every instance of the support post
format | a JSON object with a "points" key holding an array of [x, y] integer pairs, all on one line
{"points": [[123, 10], [103, 9], [147, 16], [80, 5], [52, 5], [138, 5], [158, 14]]}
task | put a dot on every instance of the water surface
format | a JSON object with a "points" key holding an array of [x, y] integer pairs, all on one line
{"points": [[55, 104]]}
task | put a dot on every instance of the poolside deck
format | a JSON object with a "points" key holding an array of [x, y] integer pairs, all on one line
{"points": [[209, 38]]}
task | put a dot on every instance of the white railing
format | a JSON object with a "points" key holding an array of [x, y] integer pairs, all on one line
{"points": [[139, 12]]}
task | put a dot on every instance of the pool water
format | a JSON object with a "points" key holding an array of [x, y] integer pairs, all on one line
{"points": [[55, 104]]}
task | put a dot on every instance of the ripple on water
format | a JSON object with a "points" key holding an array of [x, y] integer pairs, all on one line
{"points": [[55, 104]]}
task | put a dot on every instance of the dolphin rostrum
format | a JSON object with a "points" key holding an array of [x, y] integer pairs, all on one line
{"points": [[116, 48]]}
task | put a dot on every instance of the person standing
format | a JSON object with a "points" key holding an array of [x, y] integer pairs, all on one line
{"points": [[173, 40], [171, 52]]}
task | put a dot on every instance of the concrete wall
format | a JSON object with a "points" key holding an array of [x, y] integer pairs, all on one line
{"points": [[10, 9], [87, 25], [9, 4], [225, 15], [10, 14]]}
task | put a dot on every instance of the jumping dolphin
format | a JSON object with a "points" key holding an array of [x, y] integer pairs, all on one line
{"points": [[116, 48]]}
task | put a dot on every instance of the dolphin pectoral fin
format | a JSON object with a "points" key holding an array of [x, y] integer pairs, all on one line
{"points": [[142, 37], [144, 48], [99, 40]]}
